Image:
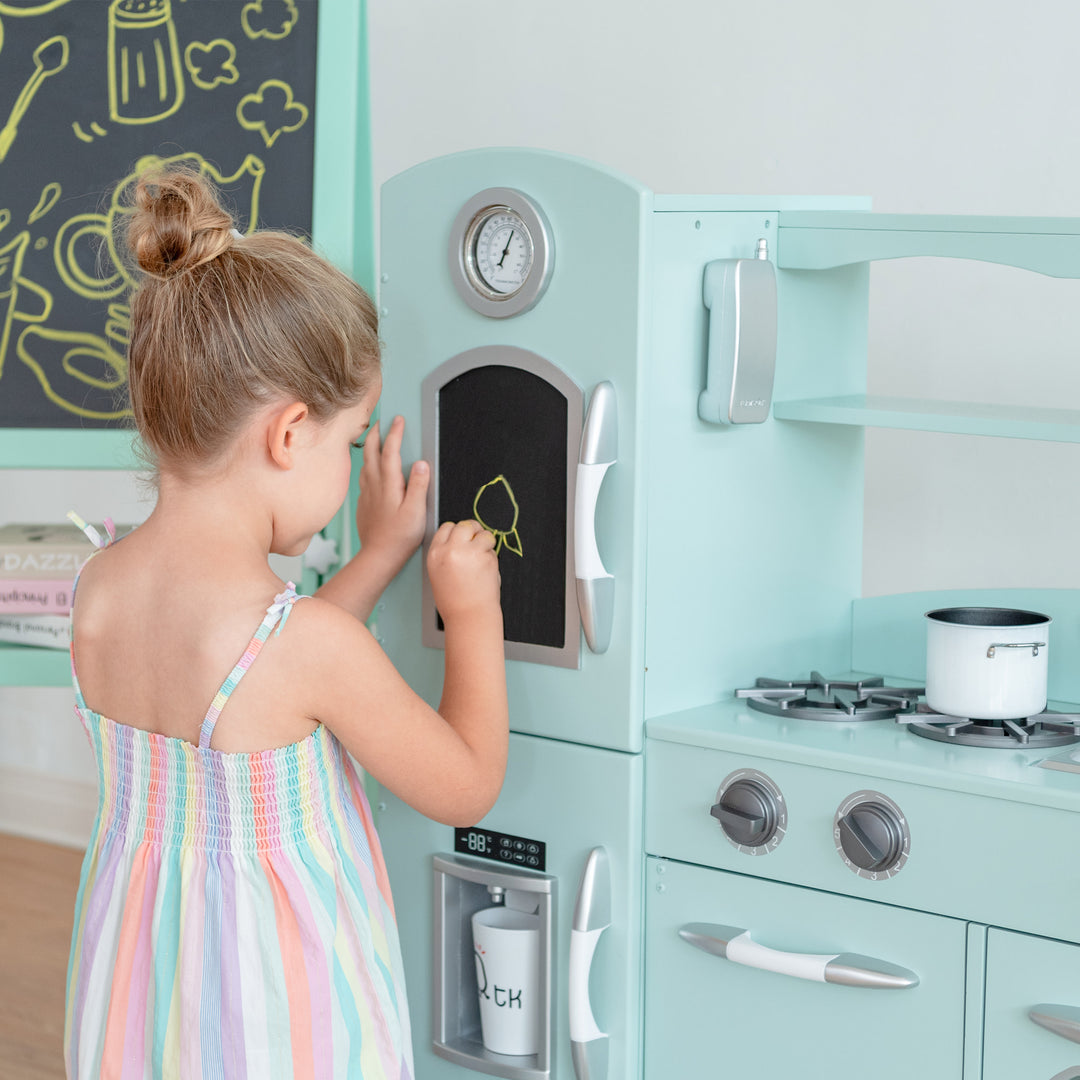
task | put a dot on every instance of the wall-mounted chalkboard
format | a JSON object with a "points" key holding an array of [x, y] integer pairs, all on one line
{"points": [[504, 450], [89, 89]]}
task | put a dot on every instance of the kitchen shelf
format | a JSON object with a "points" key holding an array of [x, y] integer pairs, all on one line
{"points": [[823, 240], [25, 665], [955, 417]]}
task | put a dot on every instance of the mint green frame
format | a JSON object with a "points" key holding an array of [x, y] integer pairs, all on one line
{"points": [[342, 230], [342, 225]]}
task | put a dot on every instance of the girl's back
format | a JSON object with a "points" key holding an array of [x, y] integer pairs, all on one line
{"points": [[234, 917]]}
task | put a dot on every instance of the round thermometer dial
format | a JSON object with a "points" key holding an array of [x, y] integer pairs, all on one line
{"points": [[501, 252]]}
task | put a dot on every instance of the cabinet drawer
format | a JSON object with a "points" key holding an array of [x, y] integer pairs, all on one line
{"points": [[1022, 973], [708, 1016]]}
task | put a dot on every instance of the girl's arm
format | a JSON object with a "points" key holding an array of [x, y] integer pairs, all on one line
{"points": [[447, 763], [390, 519]]}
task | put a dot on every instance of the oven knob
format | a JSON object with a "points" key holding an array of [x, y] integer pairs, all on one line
{"points": [[871, 835], [751, 811]]}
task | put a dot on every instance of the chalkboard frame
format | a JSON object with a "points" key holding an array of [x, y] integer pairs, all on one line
{"points": [[569, 654], [342, 225]]}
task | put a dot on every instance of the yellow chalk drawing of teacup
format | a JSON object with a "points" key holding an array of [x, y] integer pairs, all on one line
{"points": [[15, 291], [499, 514], [250, 173], [79, 360]]}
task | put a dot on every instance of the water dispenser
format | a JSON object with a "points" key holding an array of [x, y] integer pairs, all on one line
{"points": [[516, 909]]}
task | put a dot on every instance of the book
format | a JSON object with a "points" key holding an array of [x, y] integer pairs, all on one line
{"points": [[50, 631], [42, 551], [45, 596]]}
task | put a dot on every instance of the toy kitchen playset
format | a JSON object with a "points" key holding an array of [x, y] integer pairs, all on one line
{"points": [[730, 864]]}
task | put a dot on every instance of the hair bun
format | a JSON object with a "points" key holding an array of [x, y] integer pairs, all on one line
{"points": [[177, 223]]}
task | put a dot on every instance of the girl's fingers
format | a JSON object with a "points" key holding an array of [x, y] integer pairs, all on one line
{"points": [[391, 450]]}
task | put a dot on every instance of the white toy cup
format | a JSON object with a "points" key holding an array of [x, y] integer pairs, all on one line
{"points": [[506, 945]]}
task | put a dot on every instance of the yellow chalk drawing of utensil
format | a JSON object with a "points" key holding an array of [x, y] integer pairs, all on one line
{"points": [[49, 57], [146, 77], [12, 286], [86, 360], [500, 506], [21, 8]]}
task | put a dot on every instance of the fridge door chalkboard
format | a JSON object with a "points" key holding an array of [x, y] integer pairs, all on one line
{"points": [[502, 428], [90, 91]]}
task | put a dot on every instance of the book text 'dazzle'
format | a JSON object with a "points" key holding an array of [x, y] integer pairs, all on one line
{"points": [[35, 552]]}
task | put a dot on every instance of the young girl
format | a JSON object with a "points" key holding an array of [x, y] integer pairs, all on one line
{"points": [[234, 917]]}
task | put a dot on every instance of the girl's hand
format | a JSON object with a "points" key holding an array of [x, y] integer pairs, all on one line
{"points": [[464, 570], [390, 513]]}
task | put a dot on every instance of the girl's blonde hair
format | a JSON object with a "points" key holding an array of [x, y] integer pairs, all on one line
{"points": [[223, 324]]}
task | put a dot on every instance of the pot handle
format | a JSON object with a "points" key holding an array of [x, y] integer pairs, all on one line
{"points": [[1034, 646]]}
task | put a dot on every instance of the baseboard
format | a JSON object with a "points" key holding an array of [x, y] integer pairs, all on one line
{"points": [[44, 807]]}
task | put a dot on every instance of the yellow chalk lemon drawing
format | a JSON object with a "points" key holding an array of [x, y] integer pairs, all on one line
{"points": [[211, 64], [50, 193], [13, 286], [497, 510], [273, 19], [145, 76], [87, 360], [271, 111], [49, 57]]}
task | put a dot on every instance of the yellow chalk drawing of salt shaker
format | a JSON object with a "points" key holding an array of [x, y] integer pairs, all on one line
{"points": [[146, 79]]}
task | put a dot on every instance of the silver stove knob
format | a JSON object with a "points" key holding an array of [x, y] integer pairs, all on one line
{"points": [[751, 811], [871, 835]]}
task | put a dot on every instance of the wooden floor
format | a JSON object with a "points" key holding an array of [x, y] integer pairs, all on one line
{"points": [[37, 901]]}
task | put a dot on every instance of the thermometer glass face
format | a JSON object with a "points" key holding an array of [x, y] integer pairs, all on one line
{"points": [[501, 251]]}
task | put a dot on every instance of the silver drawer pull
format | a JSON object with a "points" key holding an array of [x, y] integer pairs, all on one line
{"points": [[1034, 646], [844, 969], [1063, 1020]]}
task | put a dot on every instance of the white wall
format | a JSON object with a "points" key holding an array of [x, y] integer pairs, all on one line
{"points": [[943, 106], [954, 106]]}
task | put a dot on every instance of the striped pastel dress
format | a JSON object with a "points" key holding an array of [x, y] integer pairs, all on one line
{"points": [[234, 916]]}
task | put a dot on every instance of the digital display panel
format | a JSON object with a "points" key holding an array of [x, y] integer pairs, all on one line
{"points": [[499, 847]]}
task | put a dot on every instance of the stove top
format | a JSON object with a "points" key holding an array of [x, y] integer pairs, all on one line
{"points": [[870, 698]]}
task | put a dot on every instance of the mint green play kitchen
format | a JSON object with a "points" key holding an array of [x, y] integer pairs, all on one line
{"points": [[742, 838]]}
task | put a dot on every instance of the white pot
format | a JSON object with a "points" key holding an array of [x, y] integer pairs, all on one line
{"points": [[986, 663]]}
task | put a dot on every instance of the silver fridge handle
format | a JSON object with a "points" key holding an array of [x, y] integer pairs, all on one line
{"points": [[844, 969], [592, 916], [599, 451], [1063, 1020]]}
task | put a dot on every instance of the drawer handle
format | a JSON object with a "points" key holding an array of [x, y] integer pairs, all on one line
{"points": [[1063, 1020], [844, 969]]}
